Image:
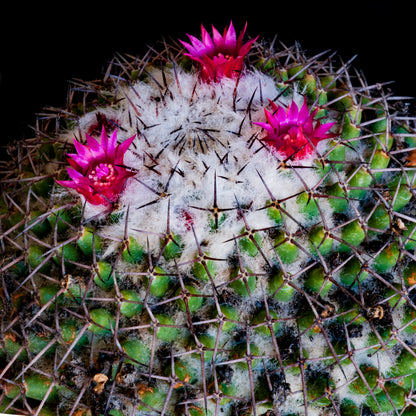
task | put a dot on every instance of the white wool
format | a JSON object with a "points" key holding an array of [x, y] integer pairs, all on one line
{"points": [[341, 378], [316, 345], [244, 174], [294, 400]]}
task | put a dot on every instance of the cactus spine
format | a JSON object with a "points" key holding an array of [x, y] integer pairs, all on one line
{"points": [[218, 277]]}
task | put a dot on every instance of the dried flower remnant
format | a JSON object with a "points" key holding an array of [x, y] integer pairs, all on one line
{"points": [[99, 380], [97, 171], [102, 121], [294, 133], [219, 56], [411, 158]]}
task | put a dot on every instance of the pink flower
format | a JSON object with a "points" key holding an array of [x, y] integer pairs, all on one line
{"points": [[97, 170], [219, 56], [293, 132]]}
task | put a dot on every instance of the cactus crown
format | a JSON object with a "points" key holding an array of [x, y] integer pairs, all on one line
{"points": [[236, 236]]}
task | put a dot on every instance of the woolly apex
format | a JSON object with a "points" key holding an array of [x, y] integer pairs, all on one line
{"points": [[294, 133], [97, 171], [221, 55]]}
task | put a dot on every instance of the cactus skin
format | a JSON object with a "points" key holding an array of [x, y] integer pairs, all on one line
{"points": [[269, 302]]}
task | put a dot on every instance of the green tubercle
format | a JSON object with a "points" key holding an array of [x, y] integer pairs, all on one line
{"points": [[132, 304], [102, 321], [243, 282], [89, 242], [133, 252], [166, 333], [286, 248], [280, 288], [159, 281], [230, 317], [104, 275], [271, 323], [173, 246], [320, 240], [204, 268], [352, 235], [137, 351], [194, 302], [250, 244], [317, 281]]}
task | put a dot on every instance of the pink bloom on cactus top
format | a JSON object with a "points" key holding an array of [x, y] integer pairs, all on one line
{"points": [[97, 170], [294, 133], [220, 55]]}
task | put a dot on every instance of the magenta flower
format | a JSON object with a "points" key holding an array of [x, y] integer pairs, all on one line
{"points": [[293, 132], [219, 56], [97, 171]]}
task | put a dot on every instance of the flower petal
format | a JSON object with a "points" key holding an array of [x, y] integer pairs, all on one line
{"points": [[122, 148], [68, 184], [304, 112], [293, 113], [97, 149], [111, 144], [200, 47], [192, 51], [207, 41], [81, 149], [93, 144], [241, 35], [75, 175], [77, 162], [230, 38]]}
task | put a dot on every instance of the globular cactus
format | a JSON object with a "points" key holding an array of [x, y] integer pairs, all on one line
{"points": [[216, 228]]}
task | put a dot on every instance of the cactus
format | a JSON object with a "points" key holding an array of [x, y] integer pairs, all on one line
{"points": [[216, 228]]}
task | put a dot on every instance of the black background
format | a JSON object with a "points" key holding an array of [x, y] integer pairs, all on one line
{"points": [[43, 46]]}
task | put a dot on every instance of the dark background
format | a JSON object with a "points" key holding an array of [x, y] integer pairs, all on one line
{"points": [[43, 46]]}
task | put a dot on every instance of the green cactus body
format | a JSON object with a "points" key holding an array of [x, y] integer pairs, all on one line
{"points": [[158, 281], [133, 253], [132, 304], [280, 287], [206, 264], [138, 352]]}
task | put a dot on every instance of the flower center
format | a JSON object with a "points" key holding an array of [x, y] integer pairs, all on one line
{"points": [[103, 175], [226, 56]]}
